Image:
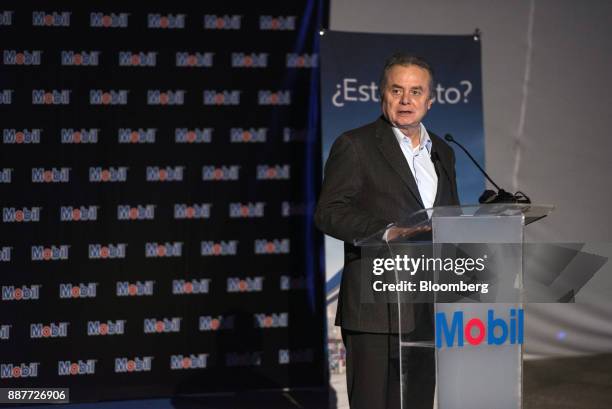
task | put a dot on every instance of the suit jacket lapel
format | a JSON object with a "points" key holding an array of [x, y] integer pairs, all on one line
{"points": [[440, 171], [387, 143], [441, 181]]}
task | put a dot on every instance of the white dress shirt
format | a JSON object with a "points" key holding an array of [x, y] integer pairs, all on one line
{"points": [[421, 165]]}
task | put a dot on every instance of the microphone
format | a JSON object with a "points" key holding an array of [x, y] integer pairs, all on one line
{"points": [[489, 196]]}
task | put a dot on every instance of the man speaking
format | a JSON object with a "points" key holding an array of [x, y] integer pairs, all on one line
{"points": [[375, 175]]}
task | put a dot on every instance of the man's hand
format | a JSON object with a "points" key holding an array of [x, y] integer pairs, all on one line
{"points": [[394, 233]]}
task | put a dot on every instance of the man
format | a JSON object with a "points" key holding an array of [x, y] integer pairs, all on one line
{"points": [[376, 175]]}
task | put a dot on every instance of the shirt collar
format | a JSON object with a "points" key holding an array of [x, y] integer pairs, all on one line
{"points": [[425, 139]]}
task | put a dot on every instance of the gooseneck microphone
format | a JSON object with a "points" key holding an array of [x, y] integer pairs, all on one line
{"points": [[489, 196]]}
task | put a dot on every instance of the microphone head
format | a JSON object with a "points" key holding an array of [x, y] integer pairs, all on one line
{"points": [[449, 137], [488, 196]]}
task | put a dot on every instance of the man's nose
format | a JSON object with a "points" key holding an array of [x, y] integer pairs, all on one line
{"points": [[404, 100]]}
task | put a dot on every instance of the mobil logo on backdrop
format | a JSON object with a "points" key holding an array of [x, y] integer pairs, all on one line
{"points": [[246, 210], [166, 21], [452, 330], [169, 97], [224, 97], [195, 286], [21, 136], [99, 174], [104, 328], [78, 136], [135, 289], [294, 60], [218, 173], [192, 211], [269, 97], [51, 19], [21, 370], [136, 212], [252, 60], [167, 249], [51, 97], [51, 330], [245, 285], [51, 175], [108, 20], [80, 290], [224, 22], [276, 246], [193, 135], [135, 364], [274, 320], [107, 251], [108, 97], [219, 248], [140, 135], [242, 135], [277, 23], [191, 361], [21, 214], [185, 59], [50, 253], [73, 368], [273, 172], [25, 57], [163, 325], [78, 213], [23, 293], [80, 58], [165, 173]]}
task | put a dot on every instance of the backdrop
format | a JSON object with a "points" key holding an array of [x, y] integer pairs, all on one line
{"points": [[157, 193]]}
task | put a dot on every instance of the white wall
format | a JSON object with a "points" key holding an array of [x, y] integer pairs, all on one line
{"points": [[548, 129]]}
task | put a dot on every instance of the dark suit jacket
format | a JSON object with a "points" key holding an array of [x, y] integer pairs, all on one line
{"points": [[367, 185]]}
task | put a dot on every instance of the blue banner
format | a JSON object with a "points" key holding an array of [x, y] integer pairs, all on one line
{"points": [[351, 65]]}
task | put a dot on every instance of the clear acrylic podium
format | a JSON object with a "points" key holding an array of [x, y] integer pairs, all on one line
{"points": [[476, 375]]}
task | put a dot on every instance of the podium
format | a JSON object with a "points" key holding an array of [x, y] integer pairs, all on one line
{"points": [[477, 337]]}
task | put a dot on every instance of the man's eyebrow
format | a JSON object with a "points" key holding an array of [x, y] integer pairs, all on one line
{"points": [[416, 87], [396, 86]]}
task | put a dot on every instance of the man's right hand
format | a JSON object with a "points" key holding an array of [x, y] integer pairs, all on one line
{"points": [[396, 233]]}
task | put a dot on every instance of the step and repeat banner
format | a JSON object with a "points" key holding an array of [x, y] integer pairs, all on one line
{"points": [[156, 192], [350, 72]]}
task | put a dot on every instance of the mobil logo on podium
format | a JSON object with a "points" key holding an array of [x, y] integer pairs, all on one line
{"points": [[452, 331]]}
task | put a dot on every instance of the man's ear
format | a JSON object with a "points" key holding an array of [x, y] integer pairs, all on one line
{"points": [[430, 103]]}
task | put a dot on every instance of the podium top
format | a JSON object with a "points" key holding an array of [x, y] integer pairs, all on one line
{"points": [[420, 221]]}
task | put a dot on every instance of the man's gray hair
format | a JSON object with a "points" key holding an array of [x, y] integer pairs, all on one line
{"points": [[405, 60]]}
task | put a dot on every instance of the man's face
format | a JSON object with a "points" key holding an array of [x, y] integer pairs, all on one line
{"points": [[406, 96]]}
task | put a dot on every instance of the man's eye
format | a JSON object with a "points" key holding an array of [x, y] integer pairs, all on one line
{"points": [[415, 92], [396, 92]]}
